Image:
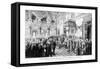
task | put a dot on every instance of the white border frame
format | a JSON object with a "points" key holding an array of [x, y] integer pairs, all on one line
{"points": [[24, 60]]}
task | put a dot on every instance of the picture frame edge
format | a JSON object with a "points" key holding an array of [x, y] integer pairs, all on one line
{"points": [[15, 61]]}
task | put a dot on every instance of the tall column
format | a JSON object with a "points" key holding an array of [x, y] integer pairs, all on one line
{"points": [[83, 29]]}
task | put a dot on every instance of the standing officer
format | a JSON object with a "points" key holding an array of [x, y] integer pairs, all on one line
{"points": [[48, 49]]}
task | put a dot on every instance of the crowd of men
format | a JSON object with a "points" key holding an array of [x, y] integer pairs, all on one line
{"points": [[43, 48], [46, 47]]}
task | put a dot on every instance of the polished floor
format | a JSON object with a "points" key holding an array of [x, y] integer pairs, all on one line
{"points": [[63, 52]]}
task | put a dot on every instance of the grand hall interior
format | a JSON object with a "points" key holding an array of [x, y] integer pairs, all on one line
{"points": [[52, 33]]}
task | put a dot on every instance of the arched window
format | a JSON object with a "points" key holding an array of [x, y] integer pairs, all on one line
{"points": [[33, 17]]}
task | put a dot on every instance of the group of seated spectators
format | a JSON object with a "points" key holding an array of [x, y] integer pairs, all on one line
{"points": [[46, 47]]}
